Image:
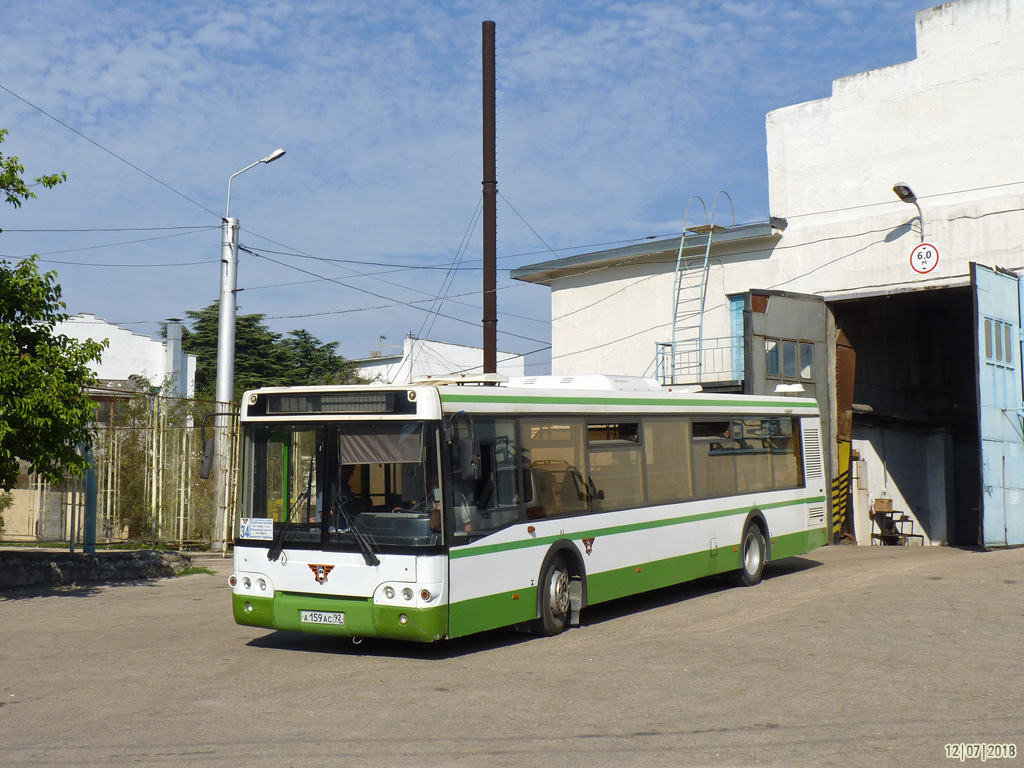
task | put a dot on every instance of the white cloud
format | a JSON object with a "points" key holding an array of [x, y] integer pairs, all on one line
{"points": [[610, 115]]}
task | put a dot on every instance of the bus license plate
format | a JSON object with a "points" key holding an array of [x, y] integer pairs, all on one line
{"points": [[321, 617]]}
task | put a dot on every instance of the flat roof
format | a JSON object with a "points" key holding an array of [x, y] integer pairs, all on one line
{"points": [[546, 271]]}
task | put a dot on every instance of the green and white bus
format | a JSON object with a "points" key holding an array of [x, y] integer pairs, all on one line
{"points": [[437, 510]]}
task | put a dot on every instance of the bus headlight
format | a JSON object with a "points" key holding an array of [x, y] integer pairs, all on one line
{"points": [[389, 592], [262, 584], [407, 593], [425, 595], [247, 582]]}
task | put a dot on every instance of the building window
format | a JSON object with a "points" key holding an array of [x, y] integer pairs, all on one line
{"points": [[771, 357], [788, 359], [806, 361], [998, 342]]}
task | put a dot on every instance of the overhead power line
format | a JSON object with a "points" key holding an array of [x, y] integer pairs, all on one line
{"points": [[112, 229], [410, 305], [107, 245], [109, 152]]}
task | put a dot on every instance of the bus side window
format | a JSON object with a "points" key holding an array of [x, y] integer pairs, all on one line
{"points": [[555, 450], [540, 500], [713, 453], [463, 488], [668, 459], [491, 500], [496, 496]]}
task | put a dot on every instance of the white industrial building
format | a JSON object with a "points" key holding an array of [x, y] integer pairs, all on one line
{"points": [[885, 284], [130, 355], [421, 358]]}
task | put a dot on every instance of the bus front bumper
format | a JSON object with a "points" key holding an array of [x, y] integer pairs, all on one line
{"points": [[361, 617]]}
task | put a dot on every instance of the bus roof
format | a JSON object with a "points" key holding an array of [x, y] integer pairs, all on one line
{"points": [[586, 394]]}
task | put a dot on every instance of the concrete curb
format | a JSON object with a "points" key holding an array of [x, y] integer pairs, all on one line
{"points": [[33, 567]]}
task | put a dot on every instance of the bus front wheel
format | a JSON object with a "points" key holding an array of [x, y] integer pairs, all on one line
{"points": [[554, 599], [752, 557]]}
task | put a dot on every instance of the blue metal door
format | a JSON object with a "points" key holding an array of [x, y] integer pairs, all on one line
{"points": [[997, 301]]}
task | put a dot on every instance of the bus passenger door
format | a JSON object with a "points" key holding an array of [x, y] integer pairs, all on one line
{"points": [[486, 580]]}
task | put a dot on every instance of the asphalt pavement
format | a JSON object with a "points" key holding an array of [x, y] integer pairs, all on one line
{"points": [[869, 656]]}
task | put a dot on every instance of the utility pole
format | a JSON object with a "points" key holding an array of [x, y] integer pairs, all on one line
{"points": [[490, 184], [222, 515]]}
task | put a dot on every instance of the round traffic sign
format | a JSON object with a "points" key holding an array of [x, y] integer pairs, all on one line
{"points": [[924, 258]]}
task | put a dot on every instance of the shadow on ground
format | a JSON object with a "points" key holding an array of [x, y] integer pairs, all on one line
{"points": [[504, 638]]}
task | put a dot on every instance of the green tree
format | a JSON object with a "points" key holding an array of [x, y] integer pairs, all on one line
{"points": [[45, 412], [313, 362], [13, 186], [262, 357]]}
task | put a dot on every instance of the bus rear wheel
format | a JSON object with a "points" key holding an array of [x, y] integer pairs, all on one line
{"points": [[752, 557], [554, 599]]}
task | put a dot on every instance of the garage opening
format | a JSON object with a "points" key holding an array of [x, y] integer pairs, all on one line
{"points": [[915, 420]]}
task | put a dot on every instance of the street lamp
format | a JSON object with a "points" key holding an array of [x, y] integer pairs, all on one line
{"points": [[906, 194], [226, 357]]}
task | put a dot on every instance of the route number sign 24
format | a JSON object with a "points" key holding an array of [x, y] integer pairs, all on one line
{"points": [[924, 258]]}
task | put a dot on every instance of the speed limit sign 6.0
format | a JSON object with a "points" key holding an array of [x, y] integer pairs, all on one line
{"points": [[924, 258]]}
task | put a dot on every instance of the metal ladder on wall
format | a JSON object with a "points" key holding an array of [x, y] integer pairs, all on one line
{"points": [[684, 359]]}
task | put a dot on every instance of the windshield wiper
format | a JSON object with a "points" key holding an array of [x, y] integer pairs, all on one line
{"points": [[360, 538], [275, 549], [307, 495]]}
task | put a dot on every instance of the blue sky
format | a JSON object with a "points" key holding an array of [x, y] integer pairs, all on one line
{"points": [[611, 115]]}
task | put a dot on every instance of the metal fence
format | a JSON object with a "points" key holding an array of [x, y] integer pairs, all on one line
{"points": [[147, 476]]}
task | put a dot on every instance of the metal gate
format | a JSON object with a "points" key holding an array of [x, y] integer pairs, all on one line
{"points": [[997, 303]]}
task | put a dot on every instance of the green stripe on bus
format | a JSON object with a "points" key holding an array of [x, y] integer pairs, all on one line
{"points": [[643, 577], [540, 541], [492, 611], [798, 543], [621, 582], [597, 400], [518, 606]]}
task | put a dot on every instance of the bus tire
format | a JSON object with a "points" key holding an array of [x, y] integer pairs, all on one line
{"points": [[554, 599], [752, 558]]}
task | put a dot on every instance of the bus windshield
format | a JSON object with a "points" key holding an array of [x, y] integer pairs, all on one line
{"points": [[347, 486]]}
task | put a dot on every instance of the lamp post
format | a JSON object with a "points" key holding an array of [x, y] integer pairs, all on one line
{"points": [[226, 359], [906, 194]]}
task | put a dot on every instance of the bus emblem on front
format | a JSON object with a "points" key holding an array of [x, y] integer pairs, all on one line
{"points": [[321, 572]]}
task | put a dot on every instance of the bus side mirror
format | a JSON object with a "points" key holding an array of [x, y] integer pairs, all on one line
{"points": [[207, 464], [469, 463]]}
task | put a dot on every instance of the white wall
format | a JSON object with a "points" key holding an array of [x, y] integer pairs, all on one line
{"points": [[128, 354], [948, 124], [610, 321], [609, 317], [919, 493]]}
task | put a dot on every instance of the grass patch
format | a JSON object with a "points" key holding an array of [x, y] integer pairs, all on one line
{"points": [[194, 569]]}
